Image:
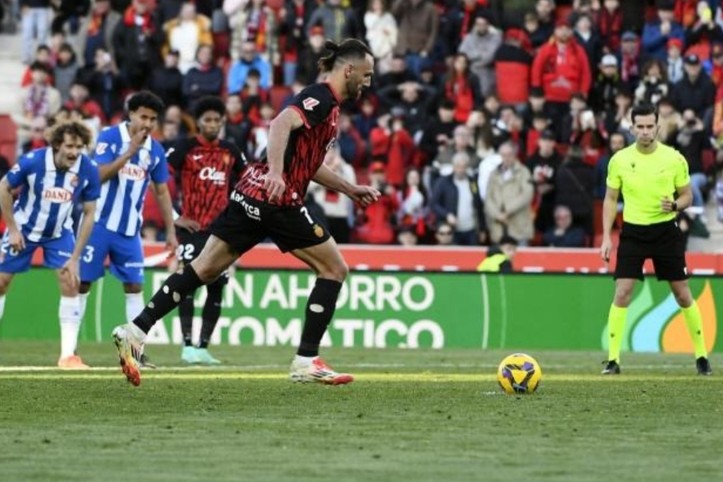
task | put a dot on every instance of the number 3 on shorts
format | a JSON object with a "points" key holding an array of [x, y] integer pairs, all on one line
{"points": [[306, 214], [88, 256]]}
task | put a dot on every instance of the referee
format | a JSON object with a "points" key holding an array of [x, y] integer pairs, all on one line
{"points": [[654, 181]]}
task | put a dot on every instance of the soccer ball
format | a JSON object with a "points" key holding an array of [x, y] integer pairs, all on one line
{"points": [[519, 373]]}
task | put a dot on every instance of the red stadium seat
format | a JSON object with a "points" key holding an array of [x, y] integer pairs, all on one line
{"points": [[8, 138]]}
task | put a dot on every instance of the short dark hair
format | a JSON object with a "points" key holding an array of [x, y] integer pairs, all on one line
{"points": [[643, 109], [348, 49], [209, 103], [507, 239], [147, 99], [57, 133]]}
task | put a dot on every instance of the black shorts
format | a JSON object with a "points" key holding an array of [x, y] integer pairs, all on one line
{"points": [[190, 246], [246, 222], [664, 243]]}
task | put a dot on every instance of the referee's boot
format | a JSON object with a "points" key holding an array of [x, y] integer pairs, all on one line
{"points": [[611, 368], [703, 366]]}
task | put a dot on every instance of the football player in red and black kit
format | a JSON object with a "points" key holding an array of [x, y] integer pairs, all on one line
{"points": [[268, 202], [206, 169]]}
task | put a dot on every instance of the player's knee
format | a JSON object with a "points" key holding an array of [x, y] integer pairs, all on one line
{"points": [[337, 272], [4, 284], [683, 297], [84, 287], [132, 288], [623, 296]]}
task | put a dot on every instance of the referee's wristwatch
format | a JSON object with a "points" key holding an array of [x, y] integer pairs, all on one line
{"points": [[675, 206]]}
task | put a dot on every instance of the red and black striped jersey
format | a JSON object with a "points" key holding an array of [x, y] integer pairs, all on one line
{"points": [[318, 106], [205, 172]]}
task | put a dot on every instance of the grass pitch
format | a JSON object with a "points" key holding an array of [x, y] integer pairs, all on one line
{"points": [[410, 415]]}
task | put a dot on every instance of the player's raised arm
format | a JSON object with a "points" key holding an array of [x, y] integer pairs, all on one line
{"points": [[288, 120]]}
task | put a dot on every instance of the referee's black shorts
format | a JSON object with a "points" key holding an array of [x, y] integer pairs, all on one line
{"points": [[664, 243]]}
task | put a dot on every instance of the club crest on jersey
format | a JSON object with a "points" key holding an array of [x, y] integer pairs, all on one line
{"points": [[57, 195], [318, 231], [309, 103], [73, 180], [133, 172], [144, 159]]}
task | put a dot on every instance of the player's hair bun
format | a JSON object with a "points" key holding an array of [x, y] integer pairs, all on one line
{"points": [[330, 45]]}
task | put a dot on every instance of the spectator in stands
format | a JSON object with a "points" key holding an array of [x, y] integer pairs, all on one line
{"points": [[413, 100], [561, 69], [69, 11], [443, 165], [704, 33], [238, 128], [564, 234], [166, 81], [669, 120], [532, 28], [481, 133], [308, 63], [104, 84], [456, 201], [607, 85], [37, 100], [249, 59], [203, 79], [620, 117], [35, 23], [253, 96], [381, 34], [674, 61], [366, 119], [337, 19], [418, 26], [338, 209], [616, 142], [444, 234], [42, 55], [610, 24], [630, 59], [294, 31], [691, 141], [575, 185], [654, 83], [588, 40], [398, 73], [438, 132], [540, 123], [186, 33], [37, 135], [186, 123], [480, 45], [351, 144], [512, 68], [657, 33], [695, 90], [462, 87], [413, 203], [407, 235], [509, 196], [97, 32], [252, 21], [79, 99], [137, 44], [375, 221], [391, 143], [66, 69], [545, 12], [544, 165], [714, 66]]}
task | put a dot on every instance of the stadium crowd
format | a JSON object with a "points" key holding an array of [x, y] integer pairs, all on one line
{"points": [[483, 120]]}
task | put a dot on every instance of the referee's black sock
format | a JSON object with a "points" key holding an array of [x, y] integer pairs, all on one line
{"points": [[319, 311], [176, 288]]}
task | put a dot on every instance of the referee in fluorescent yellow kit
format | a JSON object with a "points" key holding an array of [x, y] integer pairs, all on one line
{"points": [[655, 184]]}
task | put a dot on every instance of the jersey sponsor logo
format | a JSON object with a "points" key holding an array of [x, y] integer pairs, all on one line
{"points": [[251, 211], [57, 195], [101, 148], [212, 174], [309, 103], [133, 172]]}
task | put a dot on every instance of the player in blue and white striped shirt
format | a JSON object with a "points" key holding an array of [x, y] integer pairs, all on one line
{"points": [[53, 180], [128, 160]]}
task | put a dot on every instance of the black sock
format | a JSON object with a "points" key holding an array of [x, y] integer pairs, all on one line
{"points": [[185, 313], [176, 288], [211, 310], [319, 311]]}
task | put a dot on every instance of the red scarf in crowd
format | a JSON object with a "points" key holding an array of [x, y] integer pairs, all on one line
{"points": [[129, 19]]}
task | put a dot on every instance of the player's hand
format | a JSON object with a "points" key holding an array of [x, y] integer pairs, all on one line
{"points": [[605, 249], [274, 186], [171, 242], [71, 270], [364, 195], [137, 140], [188, 224], [16, 240], [667, 205]]}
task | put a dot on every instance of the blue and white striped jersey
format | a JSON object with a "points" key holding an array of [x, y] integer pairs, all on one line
{"points": [[46, 201], [120, 208]]}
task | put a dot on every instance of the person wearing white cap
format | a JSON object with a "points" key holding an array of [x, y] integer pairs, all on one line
{"points": [[607, 85]]}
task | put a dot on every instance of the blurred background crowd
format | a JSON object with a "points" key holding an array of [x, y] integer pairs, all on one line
{"points": [[486, 118]]}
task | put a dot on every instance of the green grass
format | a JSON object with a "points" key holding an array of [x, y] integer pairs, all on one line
{"points": [[411, 415]]}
